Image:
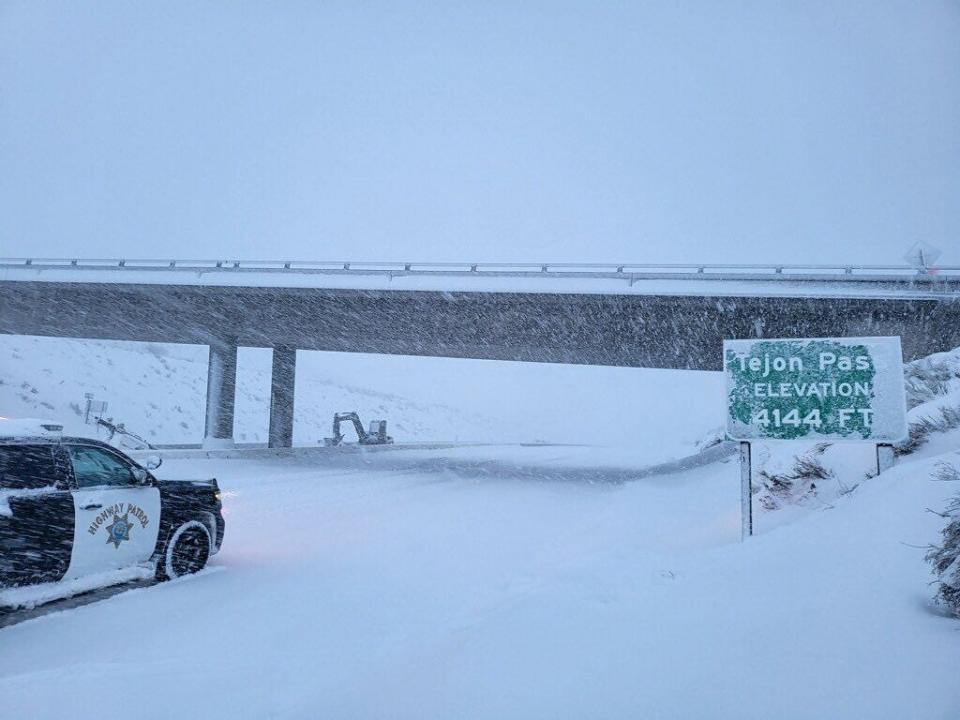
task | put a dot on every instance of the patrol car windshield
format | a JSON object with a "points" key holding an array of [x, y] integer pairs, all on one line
{"points": [[93, 467]]}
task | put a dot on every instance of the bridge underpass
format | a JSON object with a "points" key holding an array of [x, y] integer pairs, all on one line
{"points": [[670, 323]]}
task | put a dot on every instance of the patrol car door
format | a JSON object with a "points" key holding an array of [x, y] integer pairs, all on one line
{"points": [[36, 515], [116, 516]]}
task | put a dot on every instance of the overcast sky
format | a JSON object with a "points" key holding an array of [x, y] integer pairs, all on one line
{"points": [[627, 132]]}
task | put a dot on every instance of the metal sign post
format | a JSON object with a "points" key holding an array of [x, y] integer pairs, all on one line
{"points": [[746, 492], [884, 457], [95, 408]]}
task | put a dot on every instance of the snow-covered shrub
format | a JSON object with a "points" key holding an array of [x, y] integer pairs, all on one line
{"points": [[943, 419], [793, 485], [945, 558], [945, 472], [934, 382], [931, 377], [714, 437]]}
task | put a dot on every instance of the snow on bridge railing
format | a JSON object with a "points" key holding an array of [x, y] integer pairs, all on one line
{"points": [[626, 271]]}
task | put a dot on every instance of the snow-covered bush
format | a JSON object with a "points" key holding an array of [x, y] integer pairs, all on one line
{"points": [[931, 377], [795, 484], [941, 420], [714, 437], [933, 398], [945, 558]]}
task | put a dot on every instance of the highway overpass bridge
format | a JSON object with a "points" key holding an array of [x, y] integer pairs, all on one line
{"points": [[658, 316]]}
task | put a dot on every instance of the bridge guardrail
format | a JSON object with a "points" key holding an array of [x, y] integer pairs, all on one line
{"points": [[626, 271]]}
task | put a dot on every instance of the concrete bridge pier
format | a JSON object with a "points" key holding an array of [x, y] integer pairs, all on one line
{"points": [[282, 382], [221, 394]]}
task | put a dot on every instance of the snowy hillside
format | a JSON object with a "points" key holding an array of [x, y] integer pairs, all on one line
{"points": [[158, 391]]}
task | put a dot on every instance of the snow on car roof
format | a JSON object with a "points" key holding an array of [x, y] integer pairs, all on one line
{"points": [[30, 427]]}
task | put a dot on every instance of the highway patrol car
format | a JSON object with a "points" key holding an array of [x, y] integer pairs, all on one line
{"points": [[71, 508]]}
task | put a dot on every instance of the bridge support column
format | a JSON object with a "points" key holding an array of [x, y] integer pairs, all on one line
{"points": [[282, 381], [221, 395]]}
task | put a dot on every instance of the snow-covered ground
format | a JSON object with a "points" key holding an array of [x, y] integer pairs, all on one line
{"points": [[436, 584], [500, 581]]}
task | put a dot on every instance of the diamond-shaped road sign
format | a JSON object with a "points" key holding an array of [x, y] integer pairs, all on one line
{"points": [[922, 255]]}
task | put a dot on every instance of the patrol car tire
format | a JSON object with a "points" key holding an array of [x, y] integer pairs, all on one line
{"points": [[186, 552]]}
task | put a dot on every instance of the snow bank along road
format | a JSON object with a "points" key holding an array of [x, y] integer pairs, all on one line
{"points": [[436, 584]]}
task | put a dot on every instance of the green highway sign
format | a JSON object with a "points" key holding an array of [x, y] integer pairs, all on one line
{"points": [[816, 389]]}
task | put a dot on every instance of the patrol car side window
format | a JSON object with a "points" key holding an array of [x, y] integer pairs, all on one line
{"points": [[93, 467], [26, 467]]}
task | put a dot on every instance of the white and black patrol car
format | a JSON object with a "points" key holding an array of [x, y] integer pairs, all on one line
{"points": [[73, 508]]}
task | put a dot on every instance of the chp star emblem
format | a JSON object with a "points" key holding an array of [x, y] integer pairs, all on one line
{"points": [[118, 531]]}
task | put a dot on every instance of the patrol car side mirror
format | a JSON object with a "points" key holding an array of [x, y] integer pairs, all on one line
{"points": [[153, 462], [140, 475]]}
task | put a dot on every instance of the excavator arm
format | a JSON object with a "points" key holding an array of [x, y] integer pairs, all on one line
{"points": [[376, 436], [339, 418]]}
